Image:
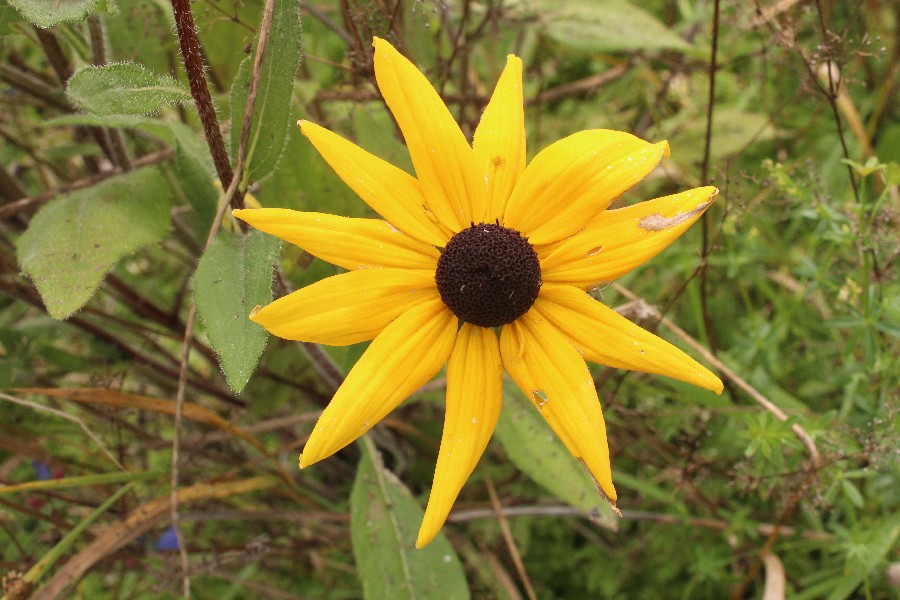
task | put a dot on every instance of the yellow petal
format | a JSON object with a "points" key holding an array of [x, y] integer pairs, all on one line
{"points": [[403, 357], [474, 392], [443, 159], [500, 140], [342, 241], [617, 241], [572, 180], [554, 376], [391, 192], [606, 337], [347, 308]]}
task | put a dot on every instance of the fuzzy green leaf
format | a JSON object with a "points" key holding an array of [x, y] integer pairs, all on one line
{"points": [[234, 276], [197, 186], [602, 25], [76, 239], [48, 13], [533, 447], [123, 88], [384, 522], [272, 110]]}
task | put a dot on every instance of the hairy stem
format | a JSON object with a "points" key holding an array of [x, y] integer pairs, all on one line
{"points": [[193, 65]]}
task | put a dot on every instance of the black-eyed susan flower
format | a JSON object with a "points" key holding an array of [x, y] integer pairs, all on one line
{"points": [[482, 263]]}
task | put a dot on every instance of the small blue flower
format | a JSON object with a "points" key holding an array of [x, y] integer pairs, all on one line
{"points": [[42, 469], [167, 542]]}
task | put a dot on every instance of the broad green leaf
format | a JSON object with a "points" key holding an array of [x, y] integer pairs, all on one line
{"points": [[602, 25], [539, 453], [172, 132], [197, 185], [76, 239], [8, 16], [123, 88], [384, 522], [233, 277], [733, 132], [272, 110], [48, 13], [310, 184]]}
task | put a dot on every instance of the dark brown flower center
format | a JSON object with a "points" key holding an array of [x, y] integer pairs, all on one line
{"points": [[488, 275]]}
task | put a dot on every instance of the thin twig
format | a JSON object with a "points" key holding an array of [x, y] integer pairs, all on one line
{"points": [[704, 180], [832, 95], [32, 202], [805, 438], [582, 85], [319, 14], [727, 372], [562, 510], [227, 200], [98, 57], [508, 537], [10, 188], [33, 86], [67, 417]]}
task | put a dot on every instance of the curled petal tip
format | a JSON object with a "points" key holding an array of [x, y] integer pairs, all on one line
{"points": [[719, 387], [666, 149], [253, 316]]}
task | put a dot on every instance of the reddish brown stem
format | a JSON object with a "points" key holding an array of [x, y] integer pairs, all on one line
{"points": [[193, 65]]}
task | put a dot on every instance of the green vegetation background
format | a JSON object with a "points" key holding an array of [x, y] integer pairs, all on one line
{"points": [[107, 200]]}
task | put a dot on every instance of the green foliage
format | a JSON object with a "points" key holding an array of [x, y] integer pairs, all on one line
{"points": [[108, 194], [75, 240], [533, 447], [123, 89], [272, 110], [48, 13], [602, 26], [384, 523], [233, 277]]}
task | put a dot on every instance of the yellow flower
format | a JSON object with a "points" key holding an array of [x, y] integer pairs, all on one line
{"points": [[479, 242]]}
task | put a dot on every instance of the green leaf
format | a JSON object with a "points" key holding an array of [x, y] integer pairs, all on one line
{"points": [[48, 13], [852, 492], [536, 450], [733, 132], [172, 132], [8, 16], [384, 522], [73, 241], [233, 277], [272, 110], [602, 25], [197, 185], [123, 88]]}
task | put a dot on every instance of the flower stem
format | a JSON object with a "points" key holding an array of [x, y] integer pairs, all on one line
{"points": [[193, 65]]}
